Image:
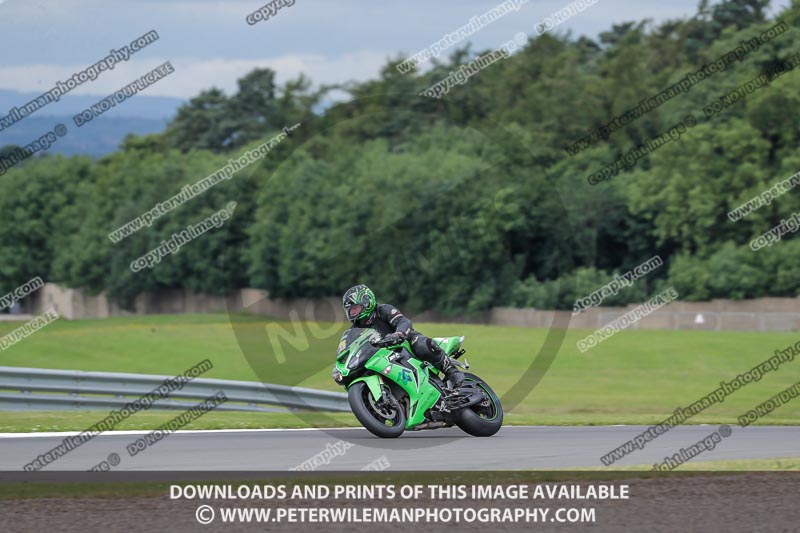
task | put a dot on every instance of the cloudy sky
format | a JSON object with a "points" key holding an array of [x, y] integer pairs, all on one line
{"points": [[210, 43]]}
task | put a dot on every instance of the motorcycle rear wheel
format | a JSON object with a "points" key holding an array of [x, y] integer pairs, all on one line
{"points": [[483, 419]]}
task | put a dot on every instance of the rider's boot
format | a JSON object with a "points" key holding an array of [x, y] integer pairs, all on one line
{"points": [[451, 371], [429, 350]]}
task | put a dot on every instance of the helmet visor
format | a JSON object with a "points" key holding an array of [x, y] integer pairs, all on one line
{"points": [[354, 310]]}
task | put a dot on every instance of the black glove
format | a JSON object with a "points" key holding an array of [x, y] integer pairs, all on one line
{"points": [[393, 339]]}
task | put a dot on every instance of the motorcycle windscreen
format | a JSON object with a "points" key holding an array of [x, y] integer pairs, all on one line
{"points": [[357, 341]]}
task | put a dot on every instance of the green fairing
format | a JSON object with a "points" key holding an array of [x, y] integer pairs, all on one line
{"points": [[373, 384], [416, 382], [449, 344]]}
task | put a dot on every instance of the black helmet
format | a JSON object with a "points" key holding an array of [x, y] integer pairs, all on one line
{"points": [[358, 302]]}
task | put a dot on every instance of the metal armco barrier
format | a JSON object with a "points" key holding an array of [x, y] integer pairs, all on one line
{"points": [[39, 389]]}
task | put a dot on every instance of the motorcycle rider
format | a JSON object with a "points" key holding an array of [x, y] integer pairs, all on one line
{"points": [[363, 311]]}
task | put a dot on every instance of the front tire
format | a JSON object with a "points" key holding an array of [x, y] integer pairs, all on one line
{"points": [[483, 419], [384, 418]]}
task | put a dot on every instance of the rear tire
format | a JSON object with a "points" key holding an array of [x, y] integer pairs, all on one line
{"points": [[481, 420], [362, 405]]}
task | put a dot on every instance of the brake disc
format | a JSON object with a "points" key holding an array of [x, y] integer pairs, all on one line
{"points": [[383, 407]]}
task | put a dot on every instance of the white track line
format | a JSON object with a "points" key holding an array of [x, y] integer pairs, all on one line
{"points": [[202, 431], [147, 431]]}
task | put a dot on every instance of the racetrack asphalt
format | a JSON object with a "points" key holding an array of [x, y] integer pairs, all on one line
{"points": [[513, 448]]}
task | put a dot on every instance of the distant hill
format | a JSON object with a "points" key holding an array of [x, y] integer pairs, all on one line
{"points": [[141, 106], [139, 115], [100, 137]]}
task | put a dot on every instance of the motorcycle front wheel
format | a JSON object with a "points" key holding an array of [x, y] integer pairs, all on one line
{"points": [[384, 417]]}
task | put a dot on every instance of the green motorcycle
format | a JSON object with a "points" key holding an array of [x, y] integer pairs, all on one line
{"points": [[391, 391]]}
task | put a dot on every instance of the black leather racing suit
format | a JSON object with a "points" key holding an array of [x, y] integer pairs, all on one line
{"points": [[388, 319]]}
